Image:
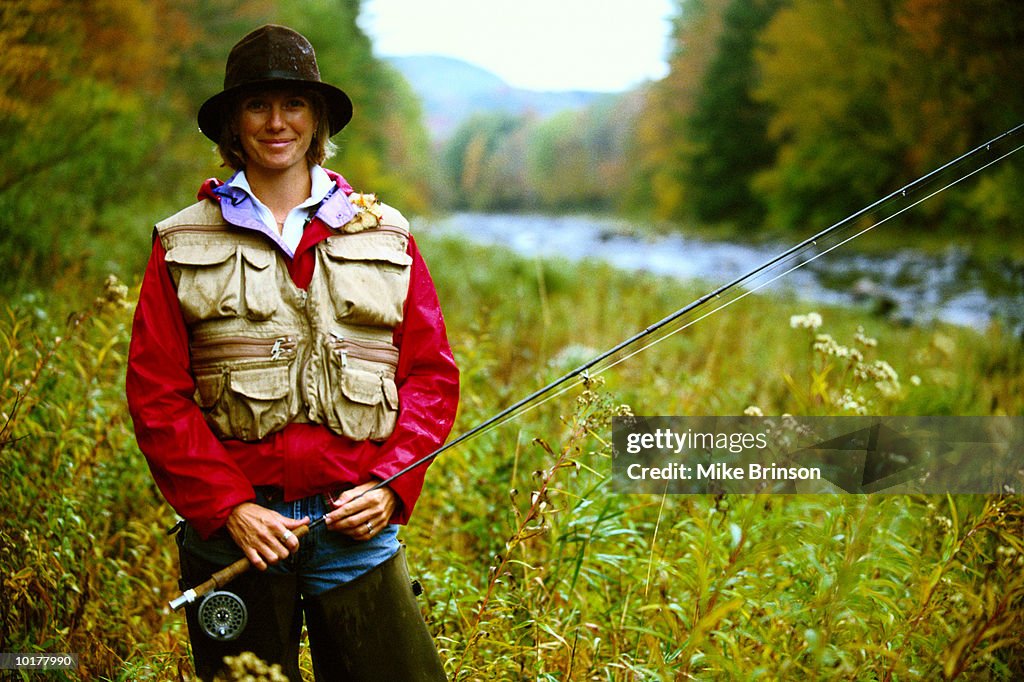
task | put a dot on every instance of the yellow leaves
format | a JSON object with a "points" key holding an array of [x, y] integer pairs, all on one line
{"points": [[125, 45], [366, 202], [21, 577], [989, 632], [49, 45], [368, 213], [30, 57], [711, 621], [923, 21]]}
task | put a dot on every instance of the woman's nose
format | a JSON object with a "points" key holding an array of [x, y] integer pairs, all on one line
{"points": [[276, 119]]}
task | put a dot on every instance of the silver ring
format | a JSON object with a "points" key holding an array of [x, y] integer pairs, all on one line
{"points": [[287, 534], [369, 527]]}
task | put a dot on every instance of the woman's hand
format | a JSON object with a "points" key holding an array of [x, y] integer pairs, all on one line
{"points": [[262, 534], [362, 518]]}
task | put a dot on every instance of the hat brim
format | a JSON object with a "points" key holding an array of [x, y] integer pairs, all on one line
{"points": [[212, 112]]}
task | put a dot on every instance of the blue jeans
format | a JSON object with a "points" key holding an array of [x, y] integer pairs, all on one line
{"points": [[325, 559]]}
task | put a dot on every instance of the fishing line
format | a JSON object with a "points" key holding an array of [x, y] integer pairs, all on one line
{"points": [[813, 258], [677, 322], [596, 368], [583, 373]]}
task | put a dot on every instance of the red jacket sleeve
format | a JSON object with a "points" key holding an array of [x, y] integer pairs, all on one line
{"points": [[428, 388], [189, 464]]}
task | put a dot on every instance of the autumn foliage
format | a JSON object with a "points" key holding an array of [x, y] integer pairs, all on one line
{"points": [[97, 121], [779, 116]]}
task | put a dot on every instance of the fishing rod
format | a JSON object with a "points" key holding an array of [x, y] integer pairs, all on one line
{"points": [[975, 160]]}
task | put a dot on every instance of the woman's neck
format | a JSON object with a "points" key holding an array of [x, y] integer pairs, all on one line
{"points": [[280, 191]]}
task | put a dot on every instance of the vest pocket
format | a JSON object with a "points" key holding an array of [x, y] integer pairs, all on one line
{"points": [[361, 394], [224, 280], [368, 278], [208, 280], [262, 294], [208, 389], [259, 400], [241, 398]]}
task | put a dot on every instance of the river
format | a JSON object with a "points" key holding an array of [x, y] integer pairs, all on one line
{"points": [[905, 285]]}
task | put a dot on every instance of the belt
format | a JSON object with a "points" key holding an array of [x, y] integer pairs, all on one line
{"points": [[271, 493]]}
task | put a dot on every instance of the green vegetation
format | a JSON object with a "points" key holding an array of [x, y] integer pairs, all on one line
{"points": [[97, 119], [572, 161], [533, 567]]}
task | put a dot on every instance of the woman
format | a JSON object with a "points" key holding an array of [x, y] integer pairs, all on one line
{"points": [[288, 353]]}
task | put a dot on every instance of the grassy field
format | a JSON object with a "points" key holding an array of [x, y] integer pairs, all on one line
{"points": [[533, 568]]}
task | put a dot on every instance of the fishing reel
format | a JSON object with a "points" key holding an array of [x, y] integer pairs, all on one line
{"points": [[222, 615]]}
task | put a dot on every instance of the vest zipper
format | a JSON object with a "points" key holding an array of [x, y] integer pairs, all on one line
{"points": [[371, 351], [242, 348], [192, 228], [380, 228]]}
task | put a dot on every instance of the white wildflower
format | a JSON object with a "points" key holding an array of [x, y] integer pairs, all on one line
{"points": [[864, 340], [889, 389], [826, 345], [851, 403], [808, 321]]}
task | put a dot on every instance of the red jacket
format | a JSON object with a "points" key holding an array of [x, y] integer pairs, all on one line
{"points": [[204, 478]]}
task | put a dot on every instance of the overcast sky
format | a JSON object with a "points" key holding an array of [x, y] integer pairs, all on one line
{"points": [[606, 45]]}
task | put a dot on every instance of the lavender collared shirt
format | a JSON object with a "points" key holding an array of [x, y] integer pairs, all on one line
{"points": [[240, 206]]}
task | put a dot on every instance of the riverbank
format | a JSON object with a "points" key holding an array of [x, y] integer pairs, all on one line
{"points": [[907, 285]]}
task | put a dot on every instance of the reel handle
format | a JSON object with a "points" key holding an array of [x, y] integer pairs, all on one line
{"points": [[227, 574]]}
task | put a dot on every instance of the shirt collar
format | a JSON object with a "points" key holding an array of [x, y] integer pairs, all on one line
{"points": [[320, 185], [242, 207]]}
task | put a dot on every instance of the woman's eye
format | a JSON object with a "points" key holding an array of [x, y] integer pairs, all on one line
{"points": [[255, 105], [297, 103]]}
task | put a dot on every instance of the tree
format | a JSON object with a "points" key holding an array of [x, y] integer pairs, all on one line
{"points": [[84, 77], [662, 145], [727, 129], [963, 54], [576, 159], [827, 68], [485, 161], [867, 96]]}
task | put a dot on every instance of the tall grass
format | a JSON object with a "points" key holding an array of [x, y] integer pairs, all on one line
{"points": [[533, 568], [85, 568]]}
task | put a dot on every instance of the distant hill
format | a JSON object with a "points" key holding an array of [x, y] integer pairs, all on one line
{"points": [[453, 90]]}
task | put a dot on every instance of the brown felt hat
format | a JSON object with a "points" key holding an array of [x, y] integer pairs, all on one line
{"points": [[269, 56]]}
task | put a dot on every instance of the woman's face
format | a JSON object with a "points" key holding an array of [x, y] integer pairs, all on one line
{"points": [[275, 129]]}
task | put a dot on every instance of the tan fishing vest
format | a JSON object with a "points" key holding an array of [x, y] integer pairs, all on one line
{"points": [[266, 353]]}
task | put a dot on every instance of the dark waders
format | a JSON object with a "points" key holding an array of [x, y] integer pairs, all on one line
{"points": [[367, 629]]}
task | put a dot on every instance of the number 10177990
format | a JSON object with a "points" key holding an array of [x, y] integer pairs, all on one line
{"points": [[37, 661]]}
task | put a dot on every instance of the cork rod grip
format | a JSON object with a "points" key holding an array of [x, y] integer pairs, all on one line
{"points": [[226, 575]]}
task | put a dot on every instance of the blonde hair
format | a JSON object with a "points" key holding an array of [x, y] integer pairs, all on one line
{"points": [[230, 146]]}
